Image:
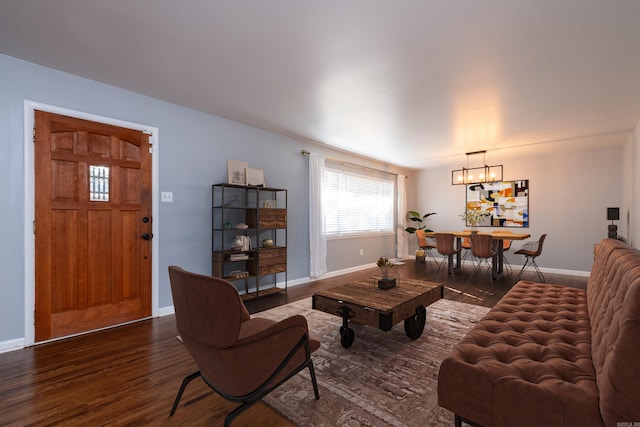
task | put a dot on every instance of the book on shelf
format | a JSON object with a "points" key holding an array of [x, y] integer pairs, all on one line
{"points": [[238, 257]]}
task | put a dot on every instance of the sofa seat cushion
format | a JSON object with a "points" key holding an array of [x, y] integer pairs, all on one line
{"points": [[526, 363]]}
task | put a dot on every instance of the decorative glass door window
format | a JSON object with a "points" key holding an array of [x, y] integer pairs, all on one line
{"points": [[99, 183]]}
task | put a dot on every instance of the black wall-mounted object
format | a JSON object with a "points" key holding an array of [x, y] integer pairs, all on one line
{"points": [[613, 214]]}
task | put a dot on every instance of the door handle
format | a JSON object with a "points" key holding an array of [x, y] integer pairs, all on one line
{"points": [[147, 236], [145, 219]]}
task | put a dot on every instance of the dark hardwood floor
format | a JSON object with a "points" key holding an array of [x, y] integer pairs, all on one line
{"points": [[129, 375]]}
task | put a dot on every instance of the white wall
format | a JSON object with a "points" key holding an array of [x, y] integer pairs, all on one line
{"points": [[568, 198]]}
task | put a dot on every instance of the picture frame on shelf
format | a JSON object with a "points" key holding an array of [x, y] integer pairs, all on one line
{"points": [[255, 177], [237, 172]]}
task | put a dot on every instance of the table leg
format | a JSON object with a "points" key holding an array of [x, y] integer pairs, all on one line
{"points": [[497, 262], [414, 325], [458, 266], [347, 335]]}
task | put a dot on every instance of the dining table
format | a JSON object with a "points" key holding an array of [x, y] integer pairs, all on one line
{"points": [[497, 262]]}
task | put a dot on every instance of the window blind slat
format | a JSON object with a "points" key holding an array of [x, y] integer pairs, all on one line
{"points": [[357, 203]]}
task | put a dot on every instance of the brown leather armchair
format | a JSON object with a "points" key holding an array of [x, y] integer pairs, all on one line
{"points": [[241, 358]]}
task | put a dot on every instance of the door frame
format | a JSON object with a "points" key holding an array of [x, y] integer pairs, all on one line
{"points": [[29, 206]]}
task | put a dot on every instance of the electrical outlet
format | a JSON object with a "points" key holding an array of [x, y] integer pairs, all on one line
{"points": [[361, 251], [166, 197]]}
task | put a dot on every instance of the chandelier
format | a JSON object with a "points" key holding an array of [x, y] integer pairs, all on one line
{"points": [[478, 174]]}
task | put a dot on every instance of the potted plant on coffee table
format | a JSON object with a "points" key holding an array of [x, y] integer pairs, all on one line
{"points": [[385, 282]]}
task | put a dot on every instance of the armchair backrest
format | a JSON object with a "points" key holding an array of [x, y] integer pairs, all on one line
{"points": [[208, 310]]}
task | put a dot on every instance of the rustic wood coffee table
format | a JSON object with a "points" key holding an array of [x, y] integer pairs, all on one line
{"points": [[362, 302]]}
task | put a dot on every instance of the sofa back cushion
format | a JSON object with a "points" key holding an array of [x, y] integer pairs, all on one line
{"points": [[613, 302]]}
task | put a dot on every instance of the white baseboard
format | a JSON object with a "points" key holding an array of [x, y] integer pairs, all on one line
{"points": [[11, 345], [165, 311]]}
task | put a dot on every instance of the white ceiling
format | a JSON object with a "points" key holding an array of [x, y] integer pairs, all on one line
{"points": [[415, 83]]}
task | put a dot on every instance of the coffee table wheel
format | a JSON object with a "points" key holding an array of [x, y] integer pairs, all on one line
{"points": [[414, 325], [346, 336]]}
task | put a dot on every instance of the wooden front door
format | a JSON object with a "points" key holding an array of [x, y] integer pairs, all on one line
{"points": [[92, 225]]}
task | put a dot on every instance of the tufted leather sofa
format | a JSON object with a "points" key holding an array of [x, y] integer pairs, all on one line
{"points": [[550, 355]]}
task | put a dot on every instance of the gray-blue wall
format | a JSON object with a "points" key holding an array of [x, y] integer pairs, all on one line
{"points": [[193, 151]]}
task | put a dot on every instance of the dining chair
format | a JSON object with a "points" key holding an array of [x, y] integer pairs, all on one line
{"points": [[466, 247], [425, 244], [531, 251], [484, 249], [445, 244]]}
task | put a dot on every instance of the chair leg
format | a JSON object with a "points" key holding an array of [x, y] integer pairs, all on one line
{"points": [[506, 264], [185, 382], [531, 262], [535, 266], [429, 254], [312, 373], [524, 267]]}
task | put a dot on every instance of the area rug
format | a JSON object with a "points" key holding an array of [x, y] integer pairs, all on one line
{"points": [[383, 379]]}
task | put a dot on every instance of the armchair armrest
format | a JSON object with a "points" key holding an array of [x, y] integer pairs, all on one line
{"points": [[258, 328], [259, 353]]}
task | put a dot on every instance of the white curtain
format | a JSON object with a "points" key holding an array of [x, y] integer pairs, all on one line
{"points": [[402, 239], [317, 238]]}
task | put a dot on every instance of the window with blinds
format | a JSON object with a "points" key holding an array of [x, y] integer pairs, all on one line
{"points": [[355, 203]]}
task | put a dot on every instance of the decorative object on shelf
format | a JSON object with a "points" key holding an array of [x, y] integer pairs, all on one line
{"points": [[232, 201], [227, 225], [473, 217], [238, 274], [237, 172], [478, 174], [242, 226], [267, 243], [255, 177], [268, 204], [237, 243], [385, 282], [613, 214]]}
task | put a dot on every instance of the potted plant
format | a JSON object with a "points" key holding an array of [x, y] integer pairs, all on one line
{"points": [[385, 282], [473, 217], [416, 217]]}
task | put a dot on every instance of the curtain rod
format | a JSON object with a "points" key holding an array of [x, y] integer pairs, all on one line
{"points": [[343, 162]]}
